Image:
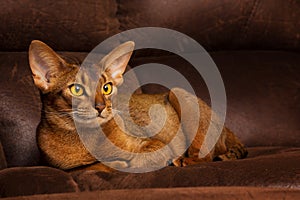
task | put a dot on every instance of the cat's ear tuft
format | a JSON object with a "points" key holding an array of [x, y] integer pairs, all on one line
{"points": [[116, 61], [43, 62]]}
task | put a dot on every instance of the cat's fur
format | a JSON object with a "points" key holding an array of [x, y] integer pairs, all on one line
{"points": [[57, 136]]}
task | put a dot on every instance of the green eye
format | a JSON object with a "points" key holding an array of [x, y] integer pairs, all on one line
{"points": [[107, 89], [77, 90]]}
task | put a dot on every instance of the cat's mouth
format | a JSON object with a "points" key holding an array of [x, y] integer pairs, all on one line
{"points": [[90, 119]]}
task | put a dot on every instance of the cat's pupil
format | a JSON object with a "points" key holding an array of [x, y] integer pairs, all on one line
{"points": [[105, 88], [77, 89]]}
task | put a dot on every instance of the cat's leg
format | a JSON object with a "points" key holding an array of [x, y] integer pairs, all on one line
{"points": [[98, 166], [111, 166], [227, 146], [185, 161], [234, 148]]}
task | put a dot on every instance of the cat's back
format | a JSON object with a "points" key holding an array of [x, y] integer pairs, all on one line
{"points": [[149, 115], [144, 107]]}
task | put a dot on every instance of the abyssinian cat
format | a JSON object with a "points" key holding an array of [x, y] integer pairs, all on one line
{"points": [[67, 100]]}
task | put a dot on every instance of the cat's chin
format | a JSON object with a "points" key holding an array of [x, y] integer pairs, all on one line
{"points": [[90, 122]]}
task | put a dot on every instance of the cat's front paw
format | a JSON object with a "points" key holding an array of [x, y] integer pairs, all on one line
{"points": [[185, 161]]}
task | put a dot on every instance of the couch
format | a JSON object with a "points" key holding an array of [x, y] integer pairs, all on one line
{"points": [[255, 45]]}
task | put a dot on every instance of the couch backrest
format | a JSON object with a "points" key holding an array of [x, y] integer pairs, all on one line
{"points": [[217, 25], [80, 25]]}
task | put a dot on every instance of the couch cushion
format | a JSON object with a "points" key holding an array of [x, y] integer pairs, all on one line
{"points": [[259, 170], [217, 25], [21, 181], [220, 24], [20, 110], [262, 89], [65, 25], [176, 193]]}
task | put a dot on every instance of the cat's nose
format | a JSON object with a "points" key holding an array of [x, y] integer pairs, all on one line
{"points": [[99, 107]]}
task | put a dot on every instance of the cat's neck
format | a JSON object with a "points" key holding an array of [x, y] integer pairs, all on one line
{"points": [[57, 122]]}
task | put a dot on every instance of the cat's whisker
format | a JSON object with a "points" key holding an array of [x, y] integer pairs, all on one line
{"points": [[59, 111], [116, 111], [66, 113]]}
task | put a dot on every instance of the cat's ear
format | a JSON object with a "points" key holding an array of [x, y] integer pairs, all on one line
{"points": [[114, 64], [43, 62]]}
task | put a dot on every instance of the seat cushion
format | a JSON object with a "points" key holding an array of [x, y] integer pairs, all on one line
{"points": [[176, 193], [20, 181], [258, 170], [276, 167]]}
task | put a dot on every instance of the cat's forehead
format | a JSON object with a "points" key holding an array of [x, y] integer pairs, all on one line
{"points": [[92, 73]]}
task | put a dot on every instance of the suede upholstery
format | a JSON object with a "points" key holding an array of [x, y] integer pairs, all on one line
{"points": [[255, 45]]}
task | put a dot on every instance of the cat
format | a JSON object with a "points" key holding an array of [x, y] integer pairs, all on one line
{"points": [[66, 101]]}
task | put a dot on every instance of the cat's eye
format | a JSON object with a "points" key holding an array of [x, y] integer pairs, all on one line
{"points": [[107, 88], [77, 90]]}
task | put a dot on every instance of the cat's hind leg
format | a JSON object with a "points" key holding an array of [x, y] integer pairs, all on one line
{"points": [[234, 148], [227, 146]]}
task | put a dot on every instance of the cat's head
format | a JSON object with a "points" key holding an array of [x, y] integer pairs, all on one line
{"points": [[70, 93]]}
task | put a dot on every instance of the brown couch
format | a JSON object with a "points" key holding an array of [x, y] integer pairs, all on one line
{"points": [[254, 43]]}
